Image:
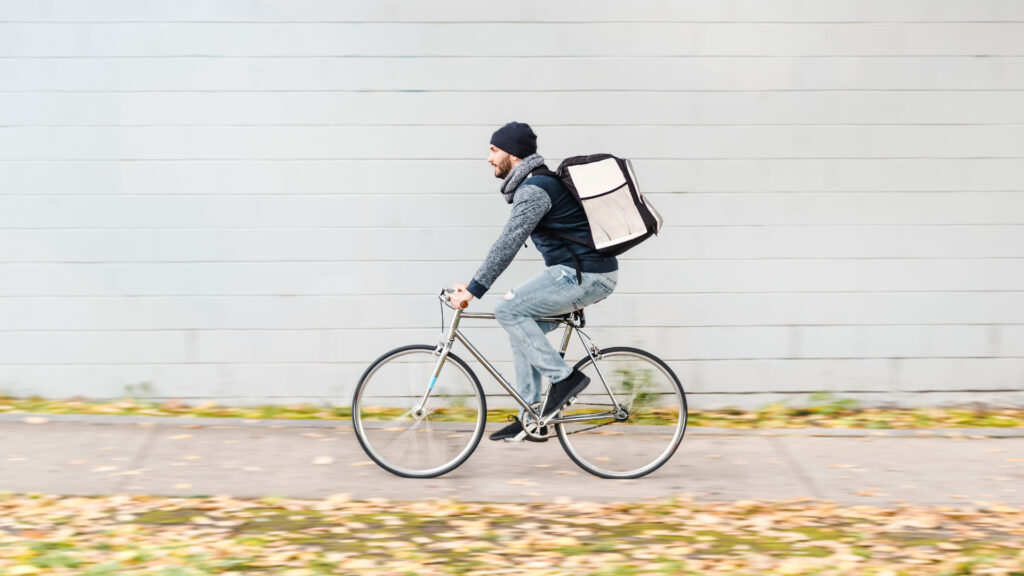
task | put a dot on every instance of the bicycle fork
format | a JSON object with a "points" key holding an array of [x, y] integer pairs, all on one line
{"points": [[443, 348]]}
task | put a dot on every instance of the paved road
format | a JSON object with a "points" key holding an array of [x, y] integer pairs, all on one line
{"points": [[88, 455]]}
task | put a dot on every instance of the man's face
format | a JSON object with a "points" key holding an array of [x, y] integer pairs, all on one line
{"points": [[501, 160]]}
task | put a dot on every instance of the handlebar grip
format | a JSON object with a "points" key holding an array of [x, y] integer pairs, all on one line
{"points": [[463, 304]]}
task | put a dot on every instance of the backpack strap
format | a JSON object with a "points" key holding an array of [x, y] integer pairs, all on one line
{"points": [[543, 170]]}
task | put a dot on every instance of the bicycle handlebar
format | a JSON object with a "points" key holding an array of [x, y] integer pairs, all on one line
{"points": [[445, 296]]}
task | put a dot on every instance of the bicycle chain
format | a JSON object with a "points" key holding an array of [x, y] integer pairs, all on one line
{"points": [[595, 425]]}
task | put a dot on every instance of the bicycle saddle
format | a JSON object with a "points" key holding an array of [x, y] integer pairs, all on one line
{"points": [[572, 317]]}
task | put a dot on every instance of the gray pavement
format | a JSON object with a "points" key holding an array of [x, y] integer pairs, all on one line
{"points": [[97, 455]]}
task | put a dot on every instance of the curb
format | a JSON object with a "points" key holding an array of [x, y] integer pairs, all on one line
{"points": [[106, 419]]}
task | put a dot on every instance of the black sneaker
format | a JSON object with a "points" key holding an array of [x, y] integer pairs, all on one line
{"points": [[510, 432], [563, 391]]}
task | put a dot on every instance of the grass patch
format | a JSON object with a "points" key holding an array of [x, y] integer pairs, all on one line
{"points": [[824, 411]]}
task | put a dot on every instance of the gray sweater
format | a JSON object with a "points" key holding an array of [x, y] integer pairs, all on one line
{"points": [[529, 205]]}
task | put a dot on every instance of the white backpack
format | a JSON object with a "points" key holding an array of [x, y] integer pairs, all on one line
{"points": [[619, 215]]}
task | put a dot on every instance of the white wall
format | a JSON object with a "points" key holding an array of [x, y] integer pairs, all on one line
{"points": [[249, 201]]}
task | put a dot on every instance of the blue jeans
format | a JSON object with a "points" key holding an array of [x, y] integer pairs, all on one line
{"points": [[553, 292]]}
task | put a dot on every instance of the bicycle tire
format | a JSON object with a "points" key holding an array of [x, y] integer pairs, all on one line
{"points": [[674, 398], [373, 448]]}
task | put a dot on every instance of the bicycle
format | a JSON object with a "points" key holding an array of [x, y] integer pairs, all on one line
{"points": [[419, 411]]}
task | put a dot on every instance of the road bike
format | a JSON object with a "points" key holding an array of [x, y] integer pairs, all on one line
{"points": [[419, 411]]}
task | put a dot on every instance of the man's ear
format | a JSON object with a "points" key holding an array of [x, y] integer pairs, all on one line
{"points": [[515, 160]]}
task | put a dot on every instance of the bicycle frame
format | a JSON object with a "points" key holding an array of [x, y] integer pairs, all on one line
{"points": [[454, 334]]}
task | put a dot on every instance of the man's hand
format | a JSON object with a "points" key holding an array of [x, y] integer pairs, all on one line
{"points": [[462, 296]]}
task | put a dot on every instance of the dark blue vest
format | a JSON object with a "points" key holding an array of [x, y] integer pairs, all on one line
{"points": [[566, 217]]}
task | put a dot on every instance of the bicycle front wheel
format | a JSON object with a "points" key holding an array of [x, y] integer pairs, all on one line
{"points": [[403, 438], [641, 436]]}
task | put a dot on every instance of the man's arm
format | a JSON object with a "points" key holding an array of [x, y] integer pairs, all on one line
{"points": [[530, 205]]}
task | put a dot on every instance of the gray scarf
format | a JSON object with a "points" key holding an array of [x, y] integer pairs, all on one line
{"points": [[518, 174]]}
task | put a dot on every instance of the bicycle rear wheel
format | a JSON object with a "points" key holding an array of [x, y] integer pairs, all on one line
{"points": [[638, 441], [430, 443]]}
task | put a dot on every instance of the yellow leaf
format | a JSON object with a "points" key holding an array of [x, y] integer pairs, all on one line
{"points": [[358, 563]]}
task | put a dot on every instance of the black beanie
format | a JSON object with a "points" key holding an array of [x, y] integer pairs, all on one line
{"points": [[516, 138]]}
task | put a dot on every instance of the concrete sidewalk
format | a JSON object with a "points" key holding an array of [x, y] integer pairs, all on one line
{"points": [[94, 455]]}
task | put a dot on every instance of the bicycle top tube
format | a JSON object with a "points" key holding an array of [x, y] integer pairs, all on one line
{"points": [[569, 318], [487, 316]]}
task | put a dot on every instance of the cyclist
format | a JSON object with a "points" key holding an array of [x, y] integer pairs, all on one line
{"points": [[575, 275]]}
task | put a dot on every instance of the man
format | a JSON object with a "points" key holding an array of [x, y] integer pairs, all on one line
{"points": [[576, 275]]}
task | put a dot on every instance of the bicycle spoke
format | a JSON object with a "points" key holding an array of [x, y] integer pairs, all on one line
{"points": [[641, 438], [387, 425]]}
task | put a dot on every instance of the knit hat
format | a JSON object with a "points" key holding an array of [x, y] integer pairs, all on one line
{"points": [[516, 138]]}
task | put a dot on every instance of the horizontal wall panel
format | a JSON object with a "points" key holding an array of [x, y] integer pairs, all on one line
{"points": [[882, 375], [368, 278], [535, 40], [336, 382], [331, 142], [670, 343], [541, 109], [429, 210], [887, 399], [1009, 340], [469, 245], [524, 11], [421, 311], [475, 74], [476, 176]]}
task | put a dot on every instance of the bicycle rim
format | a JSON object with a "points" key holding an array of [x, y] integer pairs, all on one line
{"points": [[656, 405], [426, 445]]}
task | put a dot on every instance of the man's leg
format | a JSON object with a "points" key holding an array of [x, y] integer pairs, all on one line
{"points": [[546, 294], [528, 378], [552, 292]]}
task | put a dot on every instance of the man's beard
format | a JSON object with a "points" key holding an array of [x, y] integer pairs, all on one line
{"points": [[503, 168]]}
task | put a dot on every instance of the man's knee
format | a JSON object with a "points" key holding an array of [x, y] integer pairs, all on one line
{"points": [[503, 311]]}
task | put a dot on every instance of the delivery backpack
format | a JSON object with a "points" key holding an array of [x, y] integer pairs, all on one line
{"points": [[619, 215]]}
